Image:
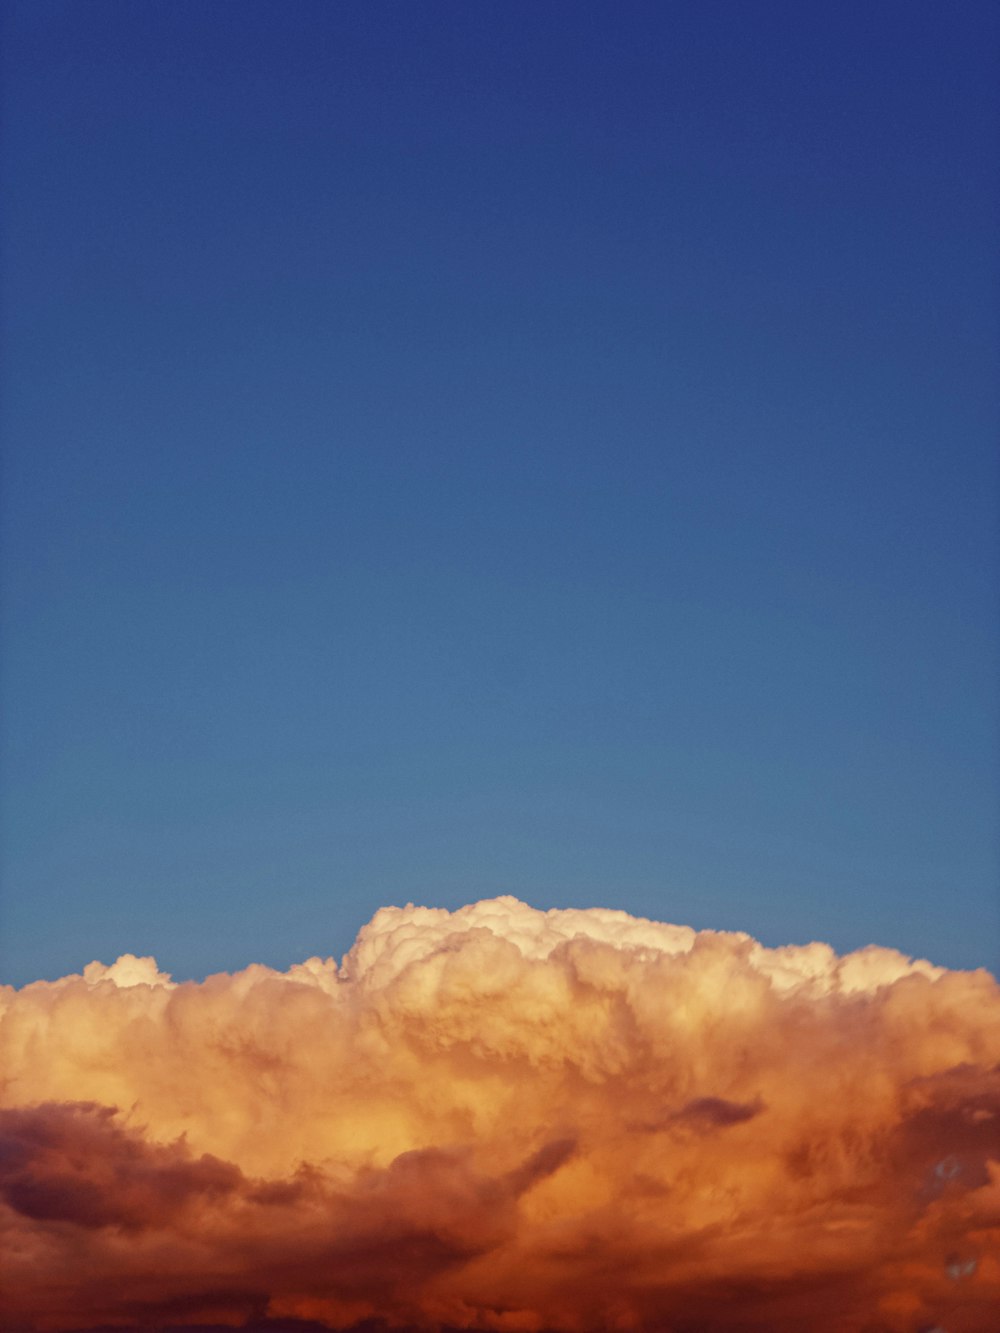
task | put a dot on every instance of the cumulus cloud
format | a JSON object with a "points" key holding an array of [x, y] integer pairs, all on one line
{"points": [[507, 1119]]}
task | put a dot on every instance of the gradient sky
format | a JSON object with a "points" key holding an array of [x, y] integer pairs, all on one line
{"points": [[465, 448]]}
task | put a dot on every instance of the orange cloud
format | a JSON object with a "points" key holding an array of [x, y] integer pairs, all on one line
{"points": [[512, 1120]]}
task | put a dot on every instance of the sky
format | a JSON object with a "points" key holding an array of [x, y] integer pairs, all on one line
{"points": [[455, 449]]}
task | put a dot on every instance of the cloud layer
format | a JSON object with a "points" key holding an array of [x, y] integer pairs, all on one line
{"points": [[512, 1120]]}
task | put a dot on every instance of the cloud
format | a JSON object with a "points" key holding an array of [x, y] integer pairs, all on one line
{"points": [[73, 1163], [499, 1118]]}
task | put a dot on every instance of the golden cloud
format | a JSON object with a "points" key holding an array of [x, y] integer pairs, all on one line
{"points": [[507, 1119]]}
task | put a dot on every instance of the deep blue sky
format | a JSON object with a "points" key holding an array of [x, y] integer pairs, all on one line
{"points": [[464, 448]]}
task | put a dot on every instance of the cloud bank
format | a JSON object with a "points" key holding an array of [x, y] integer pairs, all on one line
{"points": [[505, 1119]]}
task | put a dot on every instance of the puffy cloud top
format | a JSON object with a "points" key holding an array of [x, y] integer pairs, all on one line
{"points": [[499, 1118], [127, 971]]}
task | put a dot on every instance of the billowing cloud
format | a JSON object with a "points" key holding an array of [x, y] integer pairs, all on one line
{"points": [[510, 1120]]}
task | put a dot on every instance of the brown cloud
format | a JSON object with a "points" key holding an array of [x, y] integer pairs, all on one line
{"points": [[510, 1120], [73, 1163]]}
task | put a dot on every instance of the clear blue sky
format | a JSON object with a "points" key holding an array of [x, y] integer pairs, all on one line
{"points": [[465, 448]]}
